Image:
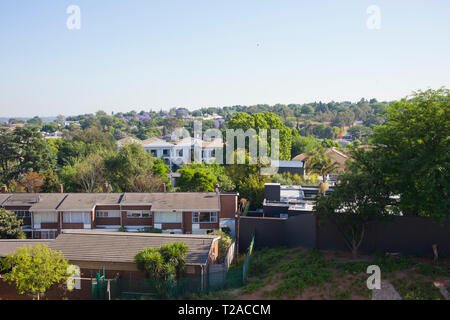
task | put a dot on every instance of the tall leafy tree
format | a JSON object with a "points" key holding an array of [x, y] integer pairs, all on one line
{"points": [[412, 151], [90, 173], [357, 201], [196, 180], [35, 269], [268, 121], [10, 226], [122, 167]]}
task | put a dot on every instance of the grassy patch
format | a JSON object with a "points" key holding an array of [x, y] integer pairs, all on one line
{"points": [[303, 271], [433, 270], [417, 289]]}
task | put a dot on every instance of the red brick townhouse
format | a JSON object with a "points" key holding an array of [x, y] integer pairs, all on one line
{"points": [[114, 252], [46, 215]]}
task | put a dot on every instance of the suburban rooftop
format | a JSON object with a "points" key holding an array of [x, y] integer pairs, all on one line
{"points": [[87, 201]]}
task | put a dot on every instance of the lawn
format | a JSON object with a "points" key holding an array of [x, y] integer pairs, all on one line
{"points": [[300, 273]]}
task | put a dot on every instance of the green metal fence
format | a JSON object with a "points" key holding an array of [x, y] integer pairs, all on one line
{"points": [[175, 288]]}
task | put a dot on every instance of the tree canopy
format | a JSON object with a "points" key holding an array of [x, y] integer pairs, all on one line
{"points": [[10, 226], [412, 152], [35, 269]]}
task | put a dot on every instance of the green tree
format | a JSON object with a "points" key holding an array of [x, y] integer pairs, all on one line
{"points": [[163, 262], [318, 162], [268, 121], [358, 200], [252, 189], [35, 269], [224, 243], [412, 152], [122, 167], [36, 121], [302, 144], [10, 226], [51, 182], [90, 173], [196, 180]]}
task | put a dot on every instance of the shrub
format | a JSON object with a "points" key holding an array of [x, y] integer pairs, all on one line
{"points": [[224, 243]]}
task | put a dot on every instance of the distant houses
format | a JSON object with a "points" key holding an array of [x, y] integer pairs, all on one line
{"points": [[178, 152]]}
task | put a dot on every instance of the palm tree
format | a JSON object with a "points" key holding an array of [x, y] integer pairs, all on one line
{"points": [[318, 162]]}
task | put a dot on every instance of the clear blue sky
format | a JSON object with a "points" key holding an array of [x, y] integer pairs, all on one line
{"points": [[143, 54]]}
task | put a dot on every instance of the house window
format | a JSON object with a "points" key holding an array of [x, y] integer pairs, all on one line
{"points": [[153, 152], [166, 152], [45, 217], [77, 217], [180, 152], [20, 214], [204, 217], [168, 217], [139, 214], [46, 234], [107, 214]]}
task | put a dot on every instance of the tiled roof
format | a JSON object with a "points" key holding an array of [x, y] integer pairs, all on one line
{"points": [[3, 197], [175, 200], [200, 201], [48, 201], [87, 201], [123, 246], [10, 246], [21, 199]]}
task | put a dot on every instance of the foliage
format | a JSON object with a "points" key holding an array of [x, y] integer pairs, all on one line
{"points": [[196, 180], [302, 144], [356, 201], [268, 121], [10, 226], [412, 152], [23, 150], [90, 173], [163, 262], [122, 167], [150, 230], [417, 289], [224, 243], [146, 182], [318, 162], [51, 182], [252, 189], [28, 182], [202, 177], [35, 269]]}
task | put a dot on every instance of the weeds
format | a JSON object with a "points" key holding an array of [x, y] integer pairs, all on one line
{"points": [[417, 289]]}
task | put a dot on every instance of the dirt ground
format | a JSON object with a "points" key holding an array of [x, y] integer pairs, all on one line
{"points": [[348, 285]]}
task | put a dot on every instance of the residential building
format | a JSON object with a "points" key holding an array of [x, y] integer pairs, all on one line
{"points": [[288, 200], [112, 253], [337, 156], [46, 215], [179, 152]]}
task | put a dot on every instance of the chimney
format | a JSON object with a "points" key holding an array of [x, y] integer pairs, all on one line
{"points": [[4, 189], [163, 187], [217, 188], [60, 188], [105, 187]]}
